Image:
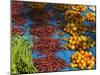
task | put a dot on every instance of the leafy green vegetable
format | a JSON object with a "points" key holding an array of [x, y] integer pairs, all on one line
{"points": [[22, 56]]}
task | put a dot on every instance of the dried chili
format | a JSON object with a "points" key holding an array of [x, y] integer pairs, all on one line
{"points": [[50, 63], [17, 31], [17, 7], [43, 31], [18, 19], [47, 45]]}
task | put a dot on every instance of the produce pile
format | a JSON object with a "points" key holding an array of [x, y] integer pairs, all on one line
{"points": [[21, 56], [43, 31], [83, 60], [91, 17], [77, 29], [17, 7], [37, 5], [80, 42], [50, 63], [79, 8], [50, 37], [19, 20], [73, 16], [47, 45], [62, 7]]}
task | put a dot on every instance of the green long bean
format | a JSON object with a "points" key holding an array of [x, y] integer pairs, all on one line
{"points": [[22, 56]]}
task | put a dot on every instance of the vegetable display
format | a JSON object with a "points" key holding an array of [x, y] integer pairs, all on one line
{"points": [[51, 37]]}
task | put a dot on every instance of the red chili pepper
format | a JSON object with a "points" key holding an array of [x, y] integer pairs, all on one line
{"points": [[18, 19], [17, 7], [43, 31], [50, 64], [17, 30]]}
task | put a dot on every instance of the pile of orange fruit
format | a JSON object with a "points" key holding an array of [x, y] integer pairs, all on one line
{"points": [[62, 7], [79, 42], [80, 8], [77, 29], [72, 29], [37, 5], [91, 17], [83, 60], [73, 16]]}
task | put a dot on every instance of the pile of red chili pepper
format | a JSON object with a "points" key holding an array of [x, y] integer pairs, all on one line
{"points": [[43, 30], [17, 7], [41, 16], [45, 43], [50, 64], [18, 19], [17, 30], [48, 46]]}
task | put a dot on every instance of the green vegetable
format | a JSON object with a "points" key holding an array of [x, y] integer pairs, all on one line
{"points": [[22, 56]]}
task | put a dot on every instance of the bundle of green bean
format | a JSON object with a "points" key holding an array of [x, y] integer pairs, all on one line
{"points": [[21, 56]]}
